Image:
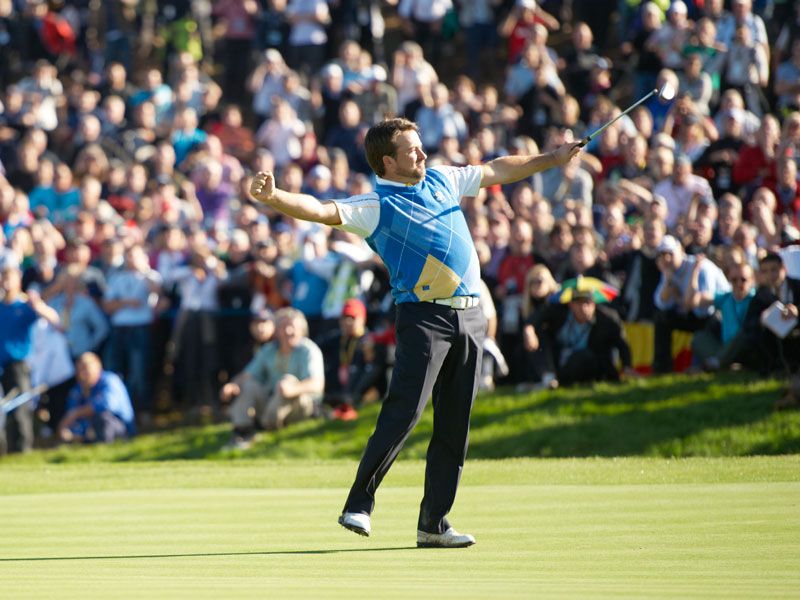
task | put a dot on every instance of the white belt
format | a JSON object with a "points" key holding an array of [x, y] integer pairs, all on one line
{"points": [[458, 302]]}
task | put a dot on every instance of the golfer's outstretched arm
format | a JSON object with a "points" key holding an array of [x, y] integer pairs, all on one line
{"points": [[298, 206], [508, 169]]}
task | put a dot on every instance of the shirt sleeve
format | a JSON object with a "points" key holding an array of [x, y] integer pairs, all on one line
{"points": [[258, 367], [466, 181], [316, 364], [660, 304], [359, 214]]}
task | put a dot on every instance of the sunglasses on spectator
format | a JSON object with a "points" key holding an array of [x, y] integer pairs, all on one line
{"points": [[739, 279]]}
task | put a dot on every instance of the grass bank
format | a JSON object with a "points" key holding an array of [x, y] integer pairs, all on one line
{"points": [[675, 416]]}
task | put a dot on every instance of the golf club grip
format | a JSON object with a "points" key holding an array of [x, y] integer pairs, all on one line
{"points": [[584, 141]]}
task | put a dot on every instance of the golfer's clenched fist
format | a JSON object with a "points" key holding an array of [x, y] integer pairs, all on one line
{"points": [[263, 186]]}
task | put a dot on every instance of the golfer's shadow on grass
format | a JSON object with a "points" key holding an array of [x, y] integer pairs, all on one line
{"points": [[202, 554]]}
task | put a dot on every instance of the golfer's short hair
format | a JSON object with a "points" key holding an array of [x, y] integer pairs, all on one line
{"points": [[292, 314], [381, 141]]}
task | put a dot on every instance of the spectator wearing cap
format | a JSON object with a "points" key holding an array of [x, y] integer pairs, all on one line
{"points": [[673, 297], [680, 188], [282, 384], [377, 99], [736, 339], [668, 41], [18, 313], [580, 340], [348, 376], [98, 406]]}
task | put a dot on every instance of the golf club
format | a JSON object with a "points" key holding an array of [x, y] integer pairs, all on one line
{"points": [[16, 402], [665, 94]]}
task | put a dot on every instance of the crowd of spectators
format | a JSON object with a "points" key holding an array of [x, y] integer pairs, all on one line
{"points": [[129, 130]]}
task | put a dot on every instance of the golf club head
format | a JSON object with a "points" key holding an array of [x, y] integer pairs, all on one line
{"points": [[666, 93]]}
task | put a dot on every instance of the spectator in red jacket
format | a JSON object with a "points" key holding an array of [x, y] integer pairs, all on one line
{"points": [[756, 164]]}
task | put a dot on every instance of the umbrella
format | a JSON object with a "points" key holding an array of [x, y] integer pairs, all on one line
{"points": [[600, 291]]}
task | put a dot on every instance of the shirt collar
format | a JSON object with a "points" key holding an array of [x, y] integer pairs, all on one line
{"points": [[389, 182]]}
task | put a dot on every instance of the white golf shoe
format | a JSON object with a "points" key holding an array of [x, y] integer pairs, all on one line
{"points": [[449, 539], [357, 522]]}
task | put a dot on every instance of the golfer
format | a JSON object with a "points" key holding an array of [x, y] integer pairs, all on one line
{"points": [[414, 222]]}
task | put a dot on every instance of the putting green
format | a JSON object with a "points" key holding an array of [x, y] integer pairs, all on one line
{"points": [[545, 528]]}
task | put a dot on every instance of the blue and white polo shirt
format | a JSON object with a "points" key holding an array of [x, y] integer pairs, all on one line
{"points": [[420, 233]]}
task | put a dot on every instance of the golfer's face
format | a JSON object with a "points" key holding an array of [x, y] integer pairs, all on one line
{"points": [[410, 158]]}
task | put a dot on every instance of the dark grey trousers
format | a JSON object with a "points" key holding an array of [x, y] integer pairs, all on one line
{"points": [[438, 352]]}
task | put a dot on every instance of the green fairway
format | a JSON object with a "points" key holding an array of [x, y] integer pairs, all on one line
{"points": [[629, 527]]}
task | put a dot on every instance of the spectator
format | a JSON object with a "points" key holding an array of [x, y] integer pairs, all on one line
{"points": [[346, 375], [641, 274], [679, 190], [774, 285], [539, 288], [195, 331], [308, 35], [673, 295], [98, 406], [755, 165], [281, 385], [717, 161], [18, 313], [579, 341], [787, 80], [266, 83], [423, 21], [737, 339], [440, 119], [787, 190], [747, 68], [84, 324], [130, 301]]}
